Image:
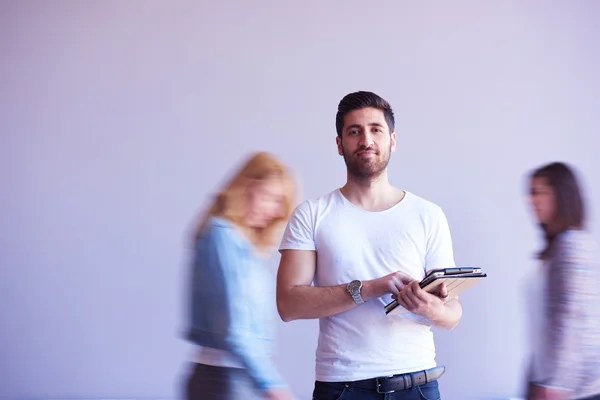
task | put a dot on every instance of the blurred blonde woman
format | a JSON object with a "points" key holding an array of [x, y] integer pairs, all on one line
{"points": [[565, 294], [233, 312]]}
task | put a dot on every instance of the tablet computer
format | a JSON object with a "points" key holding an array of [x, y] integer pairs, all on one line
{"points": [[449, 272], [457, 280]]}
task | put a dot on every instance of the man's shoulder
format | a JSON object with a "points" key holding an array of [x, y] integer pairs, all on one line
{"points": [[320, 202], [300, 230], [421, 203]]}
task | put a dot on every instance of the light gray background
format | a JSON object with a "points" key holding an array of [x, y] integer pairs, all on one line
{"points": [[119, 118]]}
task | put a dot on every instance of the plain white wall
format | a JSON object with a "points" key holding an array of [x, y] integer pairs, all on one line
{"points": [[119, 119]]}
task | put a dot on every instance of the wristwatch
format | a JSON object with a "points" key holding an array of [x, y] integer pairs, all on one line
{"points": [[354, 290]]}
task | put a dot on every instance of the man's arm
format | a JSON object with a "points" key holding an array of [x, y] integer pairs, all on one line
{"points": [[450, 315], [445, 314], [297, 299]]}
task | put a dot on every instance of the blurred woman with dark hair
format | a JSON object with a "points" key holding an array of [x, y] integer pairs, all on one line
{"points": [[565, 342]]}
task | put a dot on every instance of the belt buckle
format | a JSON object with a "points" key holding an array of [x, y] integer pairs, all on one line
{"points": [[377, 384]]}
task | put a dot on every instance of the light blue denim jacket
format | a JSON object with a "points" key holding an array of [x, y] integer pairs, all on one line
{"points": [[233, 301]]}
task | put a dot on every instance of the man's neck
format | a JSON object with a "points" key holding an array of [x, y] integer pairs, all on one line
{"points": [[375, 194]]}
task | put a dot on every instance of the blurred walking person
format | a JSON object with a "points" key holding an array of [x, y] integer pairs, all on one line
{"points": [[565, 294], [233, 311]]}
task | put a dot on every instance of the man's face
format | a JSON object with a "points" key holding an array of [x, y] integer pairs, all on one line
{"points": [[366, 143]]}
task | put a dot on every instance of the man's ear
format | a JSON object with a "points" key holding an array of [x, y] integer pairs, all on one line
{"points": [[338, 142], [393, 141]]}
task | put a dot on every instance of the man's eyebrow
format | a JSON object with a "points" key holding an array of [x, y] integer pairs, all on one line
{"points": [[360, 126]]}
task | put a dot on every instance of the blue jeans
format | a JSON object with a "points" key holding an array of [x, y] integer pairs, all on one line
{"points": [[345, 391]]}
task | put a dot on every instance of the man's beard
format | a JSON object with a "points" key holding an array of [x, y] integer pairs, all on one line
{"points": [[365, 169]]}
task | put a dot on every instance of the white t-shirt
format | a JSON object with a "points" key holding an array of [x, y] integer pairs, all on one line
{"points": [[352, 243]]}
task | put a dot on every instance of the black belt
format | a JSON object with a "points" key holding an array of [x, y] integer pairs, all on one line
{"points": [[389, 384]]}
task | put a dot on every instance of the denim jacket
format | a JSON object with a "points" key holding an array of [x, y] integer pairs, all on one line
{"points": [[233, 301]]}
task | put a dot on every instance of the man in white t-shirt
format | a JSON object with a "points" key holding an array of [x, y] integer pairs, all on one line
{"points": [[362, 245]]}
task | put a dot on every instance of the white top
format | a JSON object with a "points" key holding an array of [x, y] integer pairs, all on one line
{"points": [[351, 243], [216, 357]]}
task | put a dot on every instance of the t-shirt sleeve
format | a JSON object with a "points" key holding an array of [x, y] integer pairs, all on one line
{"points": [[299, 232], [439, 252]]}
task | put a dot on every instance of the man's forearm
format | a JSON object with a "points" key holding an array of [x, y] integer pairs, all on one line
{"points": [[450, 316], [308, 302]]}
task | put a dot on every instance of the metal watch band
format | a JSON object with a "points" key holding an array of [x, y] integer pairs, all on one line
{"points": [[357, 298], [354, 288]]}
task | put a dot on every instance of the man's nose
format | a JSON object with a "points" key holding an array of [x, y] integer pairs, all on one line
{"points": [[366, 140]]}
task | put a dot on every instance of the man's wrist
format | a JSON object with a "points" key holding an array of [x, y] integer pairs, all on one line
{"points": [[445, 317], [354, 288], [366, 291], [436, 316]]}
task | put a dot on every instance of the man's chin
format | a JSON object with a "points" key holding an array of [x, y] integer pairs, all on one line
{"points": [[365, 173]]}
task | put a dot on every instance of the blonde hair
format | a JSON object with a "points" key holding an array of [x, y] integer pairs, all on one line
{"points": [[230, 202]]}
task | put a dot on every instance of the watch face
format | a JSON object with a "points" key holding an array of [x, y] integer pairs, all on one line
{"points": [[354, 286]]}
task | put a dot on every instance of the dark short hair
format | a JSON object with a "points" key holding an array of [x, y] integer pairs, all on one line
{"points": [[358, 100], [570, 207]]}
